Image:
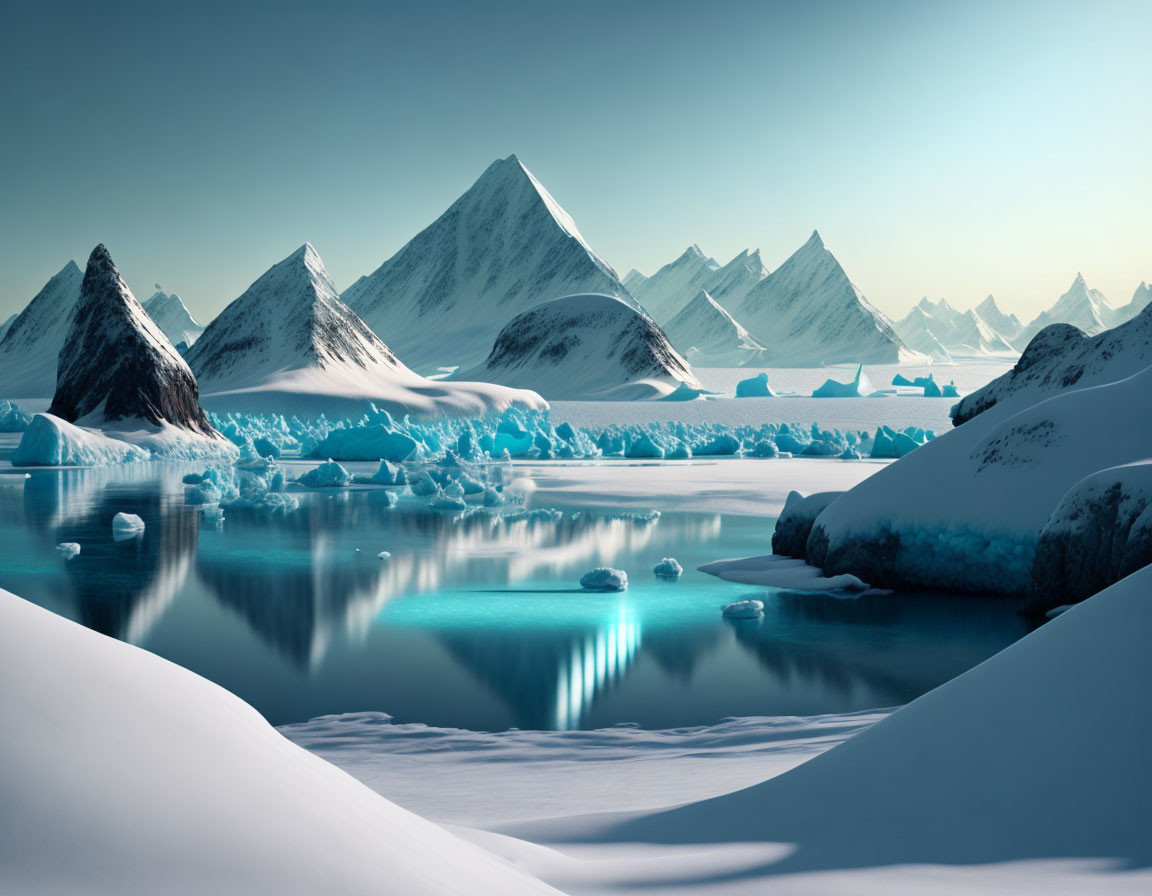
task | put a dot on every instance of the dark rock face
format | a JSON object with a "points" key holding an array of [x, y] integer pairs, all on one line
{"points": [[1099, 533], [116, 364], [790, 538]]}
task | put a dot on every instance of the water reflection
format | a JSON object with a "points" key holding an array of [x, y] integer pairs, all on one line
{"points": [[474, 619]]}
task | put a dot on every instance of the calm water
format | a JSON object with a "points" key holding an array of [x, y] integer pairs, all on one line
{"points": [[473, 622]]}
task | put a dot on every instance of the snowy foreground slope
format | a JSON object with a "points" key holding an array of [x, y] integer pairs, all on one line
{"points": [[289, 345], [585, 347], [29, 349], [504, 246], [122, 773], [1038, 753], [808, 313]]}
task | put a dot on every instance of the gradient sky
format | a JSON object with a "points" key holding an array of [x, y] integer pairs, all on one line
{"points": [[947, 149]]}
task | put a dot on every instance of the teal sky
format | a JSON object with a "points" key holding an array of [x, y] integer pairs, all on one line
{"points": [[947, 149]]}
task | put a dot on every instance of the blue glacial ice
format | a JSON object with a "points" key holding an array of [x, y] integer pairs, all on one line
{"points": [[755, 387]]}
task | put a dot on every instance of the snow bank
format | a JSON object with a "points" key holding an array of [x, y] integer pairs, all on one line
{"points": [[132, 775], [52, 442], [1038, 753]]}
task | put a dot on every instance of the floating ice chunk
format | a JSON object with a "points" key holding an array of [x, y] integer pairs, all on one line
{"points": [[720, 445], [668, 568], [744, 609], [328, 475], [443, 501], [859, 387], [901, 380], [204, 493], [68, 549], [605, 579], [774, 571], [951, 391], [376, 442], [12, 419], [492, 498], [50, 441], [265, 447], [383, 555], [422, 485], [644, 446], [683, 392], [849, 453], [755, 387], [126, 525], [390, 474], [932, 388]]}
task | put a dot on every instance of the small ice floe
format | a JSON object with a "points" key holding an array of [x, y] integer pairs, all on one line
{"points": [[443, 500], [1051, 614], [773, 571], [68, 549], [744, 609], [126, 525], [668, 568], [605, 579], [383, 555], [327, 475]]}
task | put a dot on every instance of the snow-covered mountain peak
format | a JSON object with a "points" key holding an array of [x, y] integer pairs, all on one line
{"points": [[32, 342], [814, 241], [117, 364], [173, 317], [503, 247]]}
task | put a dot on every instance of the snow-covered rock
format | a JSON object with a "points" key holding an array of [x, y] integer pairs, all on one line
{"points": [[605, 579], [289, 344], [31, 346], [134, 776], [708, 336], [1085, 308], [668, 568], [859, 387], [744, 609], [585, 347], [172, 316], [127, 525], [807, 313], [117, 367], [52, 442], [790, 537], [966, 510], [755, 387], [503, 247], [1060, 357]]}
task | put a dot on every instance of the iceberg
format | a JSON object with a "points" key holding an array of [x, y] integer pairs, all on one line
{"points": [[605, 579], [668, 568], [375, 442], [126, 525], [755, 387], [859, 387], [52, 442], [327, 475], [12, 419], [68, 549], [744, 609]]}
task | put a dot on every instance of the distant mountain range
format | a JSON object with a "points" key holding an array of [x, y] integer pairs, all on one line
{"points": [[445, 301]]}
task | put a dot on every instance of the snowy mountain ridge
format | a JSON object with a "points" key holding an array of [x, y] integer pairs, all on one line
{"points": [[941, 331], [173, 317], [30, 348], [706, 334]]}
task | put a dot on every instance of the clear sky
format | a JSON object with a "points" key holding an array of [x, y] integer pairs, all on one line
{"points": [[947, 149]]}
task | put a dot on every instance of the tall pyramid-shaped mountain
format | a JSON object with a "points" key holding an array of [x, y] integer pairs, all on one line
{"points": [[30, 347], [288, 344], [670, 289], [1007, 325], [116, 364], [708, 336], [503, 247], [807, 313]]}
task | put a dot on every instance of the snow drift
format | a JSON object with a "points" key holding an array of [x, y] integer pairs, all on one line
{"points": [[123, 773]]}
